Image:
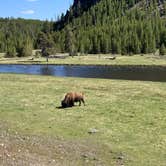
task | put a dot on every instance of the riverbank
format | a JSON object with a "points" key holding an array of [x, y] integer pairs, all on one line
{"points": [[128, 118], [91, 60]]}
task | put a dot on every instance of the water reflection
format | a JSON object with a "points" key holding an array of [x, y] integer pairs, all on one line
{"points": [[46, 70], [146, 73]]}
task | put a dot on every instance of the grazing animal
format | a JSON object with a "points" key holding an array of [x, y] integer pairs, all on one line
{"points": [[71, 98]]}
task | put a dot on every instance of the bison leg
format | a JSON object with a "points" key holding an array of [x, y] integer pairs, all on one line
{"points": [[72, 104], [82, 102]]}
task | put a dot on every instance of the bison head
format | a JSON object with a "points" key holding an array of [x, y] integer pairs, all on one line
{"points": [[64, 104]]}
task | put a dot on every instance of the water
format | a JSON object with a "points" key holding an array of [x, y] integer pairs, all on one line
{"points": [[144, 73]]}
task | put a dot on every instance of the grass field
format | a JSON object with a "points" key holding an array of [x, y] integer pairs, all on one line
{"points": [[129, 117], [92, 59]]}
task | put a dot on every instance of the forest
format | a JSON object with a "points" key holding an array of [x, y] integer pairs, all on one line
{"points": [[91, 26]]}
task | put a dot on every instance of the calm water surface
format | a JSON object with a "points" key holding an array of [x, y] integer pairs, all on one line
{"points": [[144, 73]]}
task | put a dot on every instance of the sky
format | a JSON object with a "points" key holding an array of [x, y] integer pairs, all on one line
{"points": [[34, 9]]}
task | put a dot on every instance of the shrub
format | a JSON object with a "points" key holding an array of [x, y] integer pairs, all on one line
{"points": [[38, 54], [48, 51]]}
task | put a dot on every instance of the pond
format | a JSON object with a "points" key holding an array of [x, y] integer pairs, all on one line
{"points": [[144, 73]]}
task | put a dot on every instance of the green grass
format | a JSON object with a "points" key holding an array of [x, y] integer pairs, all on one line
{"points": [[129, 115], [92, 59]]}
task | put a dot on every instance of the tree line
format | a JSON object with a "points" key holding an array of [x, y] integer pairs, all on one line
{"points": [[105, 26], [18, 37]]}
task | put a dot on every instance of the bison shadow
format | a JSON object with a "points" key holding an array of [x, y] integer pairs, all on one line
{"points": [[61, 107]]}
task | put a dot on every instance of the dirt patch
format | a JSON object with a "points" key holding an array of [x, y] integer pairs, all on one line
{"points": [[19, 150]]}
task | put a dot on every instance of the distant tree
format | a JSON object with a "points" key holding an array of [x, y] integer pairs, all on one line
{"points": [[11, 52], [47, 27], [82, 49], [162, 50], [163, 36], [42, 40], [26, 49], [46, 44], [105, 44], [70, 42]]}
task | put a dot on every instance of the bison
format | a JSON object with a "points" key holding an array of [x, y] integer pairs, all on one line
{"points": [[71, 98]]}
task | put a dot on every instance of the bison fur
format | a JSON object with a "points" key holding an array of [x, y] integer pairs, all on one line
{"points": [[72, 97]]}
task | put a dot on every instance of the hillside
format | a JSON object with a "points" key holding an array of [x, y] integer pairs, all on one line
{"points": [[111, 26], [14, 33], [84, 4]]}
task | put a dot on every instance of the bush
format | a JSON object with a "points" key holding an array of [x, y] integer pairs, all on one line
{"points": [[48, 51]]}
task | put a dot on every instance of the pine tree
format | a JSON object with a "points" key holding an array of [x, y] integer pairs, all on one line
{"points": [[96, 42], [11, 52], [46, 44], [82, 49], [70, 42], [162, 50], [26, 50]]}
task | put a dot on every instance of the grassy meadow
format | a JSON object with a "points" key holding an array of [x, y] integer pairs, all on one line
{"points": [[129, 117], [98, 59]]}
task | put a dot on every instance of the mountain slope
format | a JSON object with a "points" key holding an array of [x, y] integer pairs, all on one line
{"points": [[76, 10], [84, 4], [129, 26]]}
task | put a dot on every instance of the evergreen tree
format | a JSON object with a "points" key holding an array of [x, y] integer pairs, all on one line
{"points": [[26, 50], [70, 42], [162, 50], [46, 44], [82, 49], [11, 52]]}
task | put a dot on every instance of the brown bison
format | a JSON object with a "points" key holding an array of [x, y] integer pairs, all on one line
{"points": [[71, 98]]}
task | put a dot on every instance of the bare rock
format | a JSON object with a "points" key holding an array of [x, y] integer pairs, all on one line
{"points": [[93, 131]]}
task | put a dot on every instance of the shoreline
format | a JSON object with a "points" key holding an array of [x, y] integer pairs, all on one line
{"points": [[89, 60], [91, 64]]}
